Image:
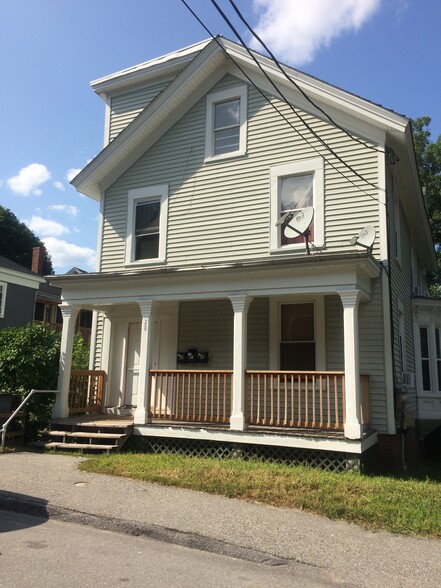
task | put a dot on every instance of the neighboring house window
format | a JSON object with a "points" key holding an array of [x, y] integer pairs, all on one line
{"points": [[2, 299], [425, 358], [226, 123], [294, 187], [297, 337], [438, 357], [147, 224]]}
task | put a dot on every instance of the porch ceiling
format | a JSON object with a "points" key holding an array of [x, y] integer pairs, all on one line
{"points": [[314, 274]]}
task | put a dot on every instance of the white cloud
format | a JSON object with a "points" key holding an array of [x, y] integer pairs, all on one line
{"points": [[59, 186], [295, 30], [66, 255], [68, 209], [28, 179], [72, 172], [46, 228]]}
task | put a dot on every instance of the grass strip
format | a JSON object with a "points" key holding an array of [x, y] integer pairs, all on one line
{"points": [[407, 507]]}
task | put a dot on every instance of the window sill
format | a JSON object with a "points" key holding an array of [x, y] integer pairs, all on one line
{"points": [[144, 263], [225, 156]]}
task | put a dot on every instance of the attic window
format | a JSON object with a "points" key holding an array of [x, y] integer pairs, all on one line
{"points": [[147, 225], [226, 123]]}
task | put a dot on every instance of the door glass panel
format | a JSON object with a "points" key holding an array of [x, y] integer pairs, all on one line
{"points": [[297, 344]]}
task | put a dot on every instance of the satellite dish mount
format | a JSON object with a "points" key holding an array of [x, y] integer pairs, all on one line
{"points": [[297, 223]]}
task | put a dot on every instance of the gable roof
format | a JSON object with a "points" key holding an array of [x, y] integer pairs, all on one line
{"points": [[15, 273], [208, 65], [199, 68]]}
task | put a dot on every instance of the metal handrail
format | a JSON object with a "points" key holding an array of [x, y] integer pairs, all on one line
{"points": [[17, 410]]}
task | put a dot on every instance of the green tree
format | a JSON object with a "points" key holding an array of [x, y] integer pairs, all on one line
{"points": [[17, 242], [428, 154]]}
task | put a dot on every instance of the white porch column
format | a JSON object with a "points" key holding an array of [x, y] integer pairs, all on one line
{"points": [[141, 416], [350, 301], [61, 406], [240, 307]]}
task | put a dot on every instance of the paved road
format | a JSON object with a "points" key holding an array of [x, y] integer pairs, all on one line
{"points": [[251, 532], [42, 553]]}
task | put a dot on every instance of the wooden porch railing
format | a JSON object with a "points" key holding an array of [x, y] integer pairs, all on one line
{"points": [[296, 399], [191, 395], [86, 391]]}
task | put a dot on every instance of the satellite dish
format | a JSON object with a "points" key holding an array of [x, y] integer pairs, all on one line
{"points": [[299, 223], [365, 238], [284, 218]]}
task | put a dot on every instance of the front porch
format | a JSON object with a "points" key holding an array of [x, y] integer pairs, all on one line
{"points": [[298, 410], [266, 354]]}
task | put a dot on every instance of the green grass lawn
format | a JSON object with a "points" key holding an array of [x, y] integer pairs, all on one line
{"points": [[405, 506]]}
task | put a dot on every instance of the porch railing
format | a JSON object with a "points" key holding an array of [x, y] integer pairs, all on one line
{"points": [[296, 399], [86, 391], [191, 395]]}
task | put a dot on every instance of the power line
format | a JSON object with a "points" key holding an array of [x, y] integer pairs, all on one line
{"points": [[296, 130], [280, 93], [296, 85]]}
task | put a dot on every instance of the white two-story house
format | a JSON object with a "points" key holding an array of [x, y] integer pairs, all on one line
{"points": [[261, 237]]}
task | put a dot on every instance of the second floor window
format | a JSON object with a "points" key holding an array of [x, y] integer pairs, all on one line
{"points": [[147, 225], [294, 187], [147, 229]]}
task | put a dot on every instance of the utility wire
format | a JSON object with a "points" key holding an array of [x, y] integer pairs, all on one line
{"points": [[280, 93], [296, 85], [331, 164]]}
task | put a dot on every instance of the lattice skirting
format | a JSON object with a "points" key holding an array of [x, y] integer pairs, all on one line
{"points": [[327, 460]]}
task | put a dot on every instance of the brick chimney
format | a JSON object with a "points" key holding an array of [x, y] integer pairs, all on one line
{"points": [[37, 260]]}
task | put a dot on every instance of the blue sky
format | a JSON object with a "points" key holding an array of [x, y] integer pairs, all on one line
{"points": [[387, 51]]}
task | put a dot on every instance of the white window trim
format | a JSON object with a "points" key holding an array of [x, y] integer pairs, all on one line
{"points": [[314, 166], [143, 195], [214, 98], [4, 287]]}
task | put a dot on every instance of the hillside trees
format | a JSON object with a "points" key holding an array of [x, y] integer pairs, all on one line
{"points": [[428, 154], [17, 242]]}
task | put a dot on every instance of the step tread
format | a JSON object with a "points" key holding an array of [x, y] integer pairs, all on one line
{"points": [[82, 446], [84, 434]]}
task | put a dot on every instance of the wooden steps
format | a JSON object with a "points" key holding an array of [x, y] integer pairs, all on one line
{"points": [[86, 434]]}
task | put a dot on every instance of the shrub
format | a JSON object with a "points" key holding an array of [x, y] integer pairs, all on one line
{"points": [[29, 359]]}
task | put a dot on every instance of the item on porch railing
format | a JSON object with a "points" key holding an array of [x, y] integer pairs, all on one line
{"points": [[193, 356]]}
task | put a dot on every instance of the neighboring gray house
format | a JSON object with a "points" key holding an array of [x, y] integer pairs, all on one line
{"points": [[18, 291], [213, 323]]}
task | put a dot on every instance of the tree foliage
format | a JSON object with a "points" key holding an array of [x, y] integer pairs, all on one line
{"points": [[29, 359], [17, 242], [428, 154]]}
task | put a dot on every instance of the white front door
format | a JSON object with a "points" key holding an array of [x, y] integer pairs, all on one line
{"points": [[132, 369]]}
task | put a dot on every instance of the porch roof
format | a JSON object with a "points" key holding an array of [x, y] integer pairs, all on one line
{"points": [[321, 274]]}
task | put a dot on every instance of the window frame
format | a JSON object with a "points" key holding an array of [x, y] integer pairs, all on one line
{"points": [[4, 289], [229, 94], [315, 167], [146, 194]]}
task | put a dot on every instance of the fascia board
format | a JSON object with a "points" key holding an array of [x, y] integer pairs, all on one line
{"points": [[21, 279], [152, 123], [165, 66]]}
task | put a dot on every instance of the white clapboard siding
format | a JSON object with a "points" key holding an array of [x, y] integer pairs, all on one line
{"points": [[219, 211], [125, 107]]}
